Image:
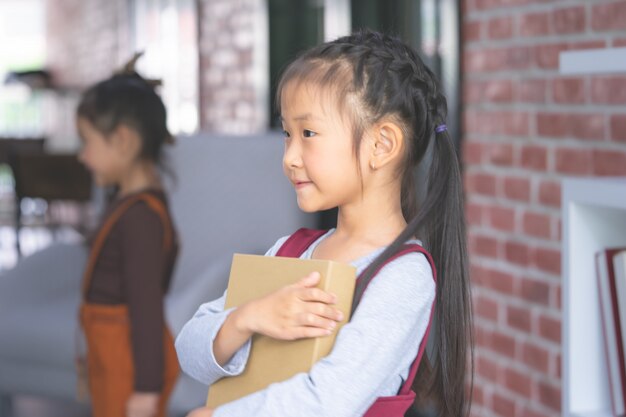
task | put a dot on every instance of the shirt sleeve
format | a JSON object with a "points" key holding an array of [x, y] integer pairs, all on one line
{"points": [[372, 353], [194, 343], [143, 272]]}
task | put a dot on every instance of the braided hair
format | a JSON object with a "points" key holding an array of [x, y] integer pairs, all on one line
{"points": [[375, 76], [128, 98]]}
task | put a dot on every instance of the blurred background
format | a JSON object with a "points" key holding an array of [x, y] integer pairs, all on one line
{"points": [[537, 97]]}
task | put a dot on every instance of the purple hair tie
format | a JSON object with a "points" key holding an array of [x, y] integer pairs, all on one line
{"points": [[441, 128]]}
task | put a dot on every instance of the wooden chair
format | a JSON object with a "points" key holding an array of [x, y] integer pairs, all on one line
{"points": [[51, 177]]}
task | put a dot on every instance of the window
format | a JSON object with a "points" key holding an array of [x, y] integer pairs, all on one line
{"points": [[166, 30]]}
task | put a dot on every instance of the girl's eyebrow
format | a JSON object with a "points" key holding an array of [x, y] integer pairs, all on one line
{"points": [[302, 117]]}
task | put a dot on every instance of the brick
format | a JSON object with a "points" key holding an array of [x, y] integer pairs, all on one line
{"points": [[473, 92], [548, 260], [503, 344], [569, 20], [552, 124], [550, 328], [532, 91], [536, 357], [550, 396], [569, 90], [537, 224], [474, 214], [550, 193], [534, 24], [517, 188], [535, 291], [497, 122], [528, 412], [586, 126], [499, 281], [498, 91], [517, 253], [609, 16], [534, 157], [487, 368], [618, 127], [518, 382], [502, 218], [503, 406], [481, 183], [619, 42], [500, 154], [500, 28], [486, 308], [547, 55], [609, 162], [573, 161], [608, 90], [484, 60], [575, 125], [472, 152], [518, 58], [518, 318], [484, 246], [471, 31], [558, 361]]}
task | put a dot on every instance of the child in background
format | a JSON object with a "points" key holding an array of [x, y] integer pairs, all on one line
{"points": [[131, 361], [359, 114]]}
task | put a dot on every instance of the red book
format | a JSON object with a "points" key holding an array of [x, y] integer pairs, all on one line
{"points": [[612, 295]]}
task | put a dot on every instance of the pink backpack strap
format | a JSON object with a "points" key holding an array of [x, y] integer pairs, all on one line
{"points": [[299, 242]]}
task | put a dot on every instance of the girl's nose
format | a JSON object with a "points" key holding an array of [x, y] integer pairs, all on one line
{"points": [[292, 157]]}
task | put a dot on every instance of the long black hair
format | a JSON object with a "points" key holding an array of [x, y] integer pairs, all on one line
{"points": [[129, 99], [375, 76]]}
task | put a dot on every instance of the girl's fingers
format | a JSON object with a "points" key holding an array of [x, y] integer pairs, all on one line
{"points": [[325, 311], [310, 280], [313, 320], [317, 295]]}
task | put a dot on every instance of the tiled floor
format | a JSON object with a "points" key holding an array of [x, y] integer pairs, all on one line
{"points": [[24, 406]]}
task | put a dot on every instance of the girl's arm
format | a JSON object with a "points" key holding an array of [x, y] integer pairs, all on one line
{"points": [[143, 269], [371, 356], [216, 343]]}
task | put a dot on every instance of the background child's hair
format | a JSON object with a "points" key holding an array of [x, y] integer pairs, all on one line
{"points": [[127, 98], [374, 77]]}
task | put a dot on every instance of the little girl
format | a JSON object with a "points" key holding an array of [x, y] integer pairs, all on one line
{"points": [[131, 361], [359, 114]]}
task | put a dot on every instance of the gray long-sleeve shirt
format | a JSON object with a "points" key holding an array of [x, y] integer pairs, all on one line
{"points": [[371, 357]]}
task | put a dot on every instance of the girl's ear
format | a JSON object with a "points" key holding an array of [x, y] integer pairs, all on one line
{"points": [[127, 141], [387, 144]]}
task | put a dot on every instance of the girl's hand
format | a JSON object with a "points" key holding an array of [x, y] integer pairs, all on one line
{"points": [[142, 404], [201, 412], [296, 311]]}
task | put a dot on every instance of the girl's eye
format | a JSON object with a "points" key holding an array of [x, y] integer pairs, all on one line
{"points": [[308, 133], [285, 133]]}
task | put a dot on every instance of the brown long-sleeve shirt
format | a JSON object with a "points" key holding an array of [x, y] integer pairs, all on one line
{"points": [[133, 269]]}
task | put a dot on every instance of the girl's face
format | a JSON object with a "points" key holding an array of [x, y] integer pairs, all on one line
{"points": [[100, 154], [319, 157]]}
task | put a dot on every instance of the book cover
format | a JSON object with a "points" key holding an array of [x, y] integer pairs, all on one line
{"points": [[273, 360], [610, 292]]}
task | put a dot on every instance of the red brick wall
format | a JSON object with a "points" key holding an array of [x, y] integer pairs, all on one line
{"points": [[526, 128], [86, 39], [229, 100]]}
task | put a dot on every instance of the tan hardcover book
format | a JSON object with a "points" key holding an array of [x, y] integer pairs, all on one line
{"points": [[272, 360]]}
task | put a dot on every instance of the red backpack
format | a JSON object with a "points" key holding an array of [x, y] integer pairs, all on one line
{"points": [[396, 405]]}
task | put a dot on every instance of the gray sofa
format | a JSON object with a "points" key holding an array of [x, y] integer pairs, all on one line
{"points": [[229, 196]]}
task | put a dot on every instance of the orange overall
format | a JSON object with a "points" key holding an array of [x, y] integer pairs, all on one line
{"points": [[107, 332]]}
